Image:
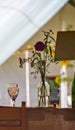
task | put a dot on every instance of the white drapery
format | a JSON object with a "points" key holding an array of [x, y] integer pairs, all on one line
{"points": [[21, 19]]}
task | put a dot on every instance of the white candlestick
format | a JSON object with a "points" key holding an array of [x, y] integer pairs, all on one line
{"points": [[63, 90], [27, 80]]}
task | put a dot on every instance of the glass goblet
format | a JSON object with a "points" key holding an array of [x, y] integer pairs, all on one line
{"points": [[13, 91]]}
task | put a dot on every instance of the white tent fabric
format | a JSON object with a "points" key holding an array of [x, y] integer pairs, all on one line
{"points": [[21, 19]]}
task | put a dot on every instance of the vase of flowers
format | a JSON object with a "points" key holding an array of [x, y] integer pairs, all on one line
{"points": [[42, 55]]}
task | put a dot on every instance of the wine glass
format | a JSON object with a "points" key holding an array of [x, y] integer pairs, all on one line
{"points": [[13, 91]]}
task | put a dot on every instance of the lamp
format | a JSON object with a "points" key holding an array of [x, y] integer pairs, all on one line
{"points": [[65, 46], [65, 50]]}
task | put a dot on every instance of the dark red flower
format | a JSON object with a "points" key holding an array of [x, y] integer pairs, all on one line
{"points": [[39, 46]]}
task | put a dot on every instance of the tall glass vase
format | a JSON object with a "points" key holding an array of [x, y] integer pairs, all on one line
{"points": [[43, 94]]}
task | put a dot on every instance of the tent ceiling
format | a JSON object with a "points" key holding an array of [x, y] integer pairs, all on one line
{"points": [[21, 19]]}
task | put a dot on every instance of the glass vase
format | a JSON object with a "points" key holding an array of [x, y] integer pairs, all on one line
{"points": [[43, 94]]}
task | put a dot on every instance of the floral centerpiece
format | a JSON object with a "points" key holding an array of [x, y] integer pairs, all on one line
{"points": [[60, 78], [43, 54]]}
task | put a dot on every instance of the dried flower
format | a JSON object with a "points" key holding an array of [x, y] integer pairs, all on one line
{"points": [[39, 46]]}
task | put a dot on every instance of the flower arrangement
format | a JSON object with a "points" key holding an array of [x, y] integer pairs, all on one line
{"points": [[43, 54], [60, 78]]}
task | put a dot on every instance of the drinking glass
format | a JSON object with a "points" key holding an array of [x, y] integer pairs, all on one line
{"points": [[13, 91]]}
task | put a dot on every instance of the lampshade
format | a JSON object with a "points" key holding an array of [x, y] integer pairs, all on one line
{"points": [[65, 46]]}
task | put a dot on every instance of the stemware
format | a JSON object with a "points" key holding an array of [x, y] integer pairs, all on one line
{"points": [[13, 91]]}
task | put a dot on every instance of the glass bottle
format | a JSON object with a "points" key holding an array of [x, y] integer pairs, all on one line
{"points": [[43, 95], [73, 91]]}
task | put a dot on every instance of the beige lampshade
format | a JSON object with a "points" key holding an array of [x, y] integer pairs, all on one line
{"points": [[65, 46]]}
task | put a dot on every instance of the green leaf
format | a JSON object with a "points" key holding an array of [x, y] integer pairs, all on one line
{"points": [[33, 61], [46, 50]]}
